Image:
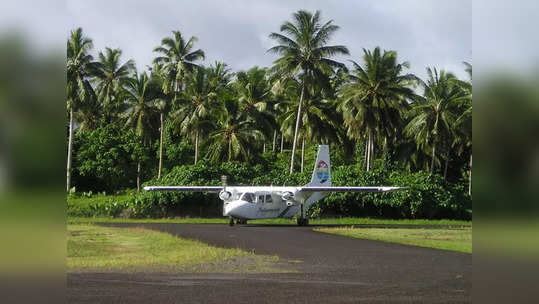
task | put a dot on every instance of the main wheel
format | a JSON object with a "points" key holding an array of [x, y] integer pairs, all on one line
{"points": [[303, 221], [231, 223]]}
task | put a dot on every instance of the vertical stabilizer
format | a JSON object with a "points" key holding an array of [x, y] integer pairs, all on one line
{"points": [[322, 168]]}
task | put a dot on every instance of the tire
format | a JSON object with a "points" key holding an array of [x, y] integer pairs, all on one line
{"points": [[231, 223]]}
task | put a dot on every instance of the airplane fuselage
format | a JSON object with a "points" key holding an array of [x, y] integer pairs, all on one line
{"points": [[261, 202]]}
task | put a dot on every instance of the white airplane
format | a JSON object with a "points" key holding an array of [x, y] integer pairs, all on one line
{"points": [[260, 202]]}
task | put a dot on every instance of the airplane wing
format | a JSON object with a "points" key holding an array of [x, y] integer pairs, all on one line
{"points": [[346, 189], [184, 188]]}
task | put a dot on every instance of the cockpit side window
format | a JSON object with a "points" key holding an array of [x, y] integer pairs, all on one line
{"points": [[248, 197], [261, 198], [268, 198]]}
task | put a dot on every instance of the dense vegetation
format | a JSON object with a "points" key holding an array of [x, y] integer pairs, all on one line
{"points": [[181, 122]]}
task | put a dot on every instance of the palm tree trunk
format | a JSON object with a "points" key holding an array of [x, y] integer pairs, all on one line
{"points": [[274, 140], [229, 149], [371, 153], [138, 177], [69, 150], [446, 165], [302, 152], [367, 154], [433, 156], [160, 148], [470, 182], [297, 129], [196, 147], [282, 142]]}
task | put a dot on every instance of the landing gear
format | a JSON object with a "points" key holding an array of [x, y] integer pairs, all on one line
{"points": [[231, 223], [241, 222], [303, 221]]}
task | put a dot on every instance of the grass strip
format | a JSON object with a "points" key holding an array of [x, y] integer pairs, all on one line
{"points": [[93, 248], [447, 239]]}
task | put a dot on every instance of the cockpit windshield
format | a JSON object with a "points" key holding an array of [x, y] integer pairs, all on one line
{"points": [[248, 197]]}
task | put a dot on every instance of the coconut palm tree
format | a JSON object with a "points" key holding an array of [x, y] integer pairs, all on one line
{"points": [[305, 53], [79, 91], [232, 134], [463, 125], [198, 103], [178, 59], [220, 75], [110, 76], [163, 105], [316, 116], [140, 94], [376, 97], [434, 115], [254, 96]]}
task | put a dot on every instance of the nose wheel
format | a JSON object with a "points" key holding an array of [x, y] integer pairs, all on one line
{"points": [[231, 222]]}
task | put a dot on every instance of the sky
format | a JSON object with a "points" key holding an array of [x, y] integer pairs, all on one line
{"points": [[423, 32]]}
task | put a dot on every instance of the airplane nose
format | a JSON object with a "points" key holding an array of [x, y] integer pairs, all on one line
{"points": [[234, 208]]}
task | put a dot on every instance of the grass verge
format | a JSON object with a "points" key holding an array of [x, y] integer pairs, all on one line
{"points": [[91, 248], [446, 239], [277, 221]]}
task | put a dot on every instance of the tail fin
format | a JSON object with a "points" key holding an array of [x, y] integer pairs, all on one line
{"points": [[322, 168]]}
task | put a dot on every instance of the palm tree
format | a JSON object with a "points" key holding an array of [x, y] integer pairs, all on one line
{"points": [[111, 76], [232, 134], [199, 101], [79, 91], [178, 59], [376, 97], [315, 117], [219, 75], [141, 93], [305, 53], [163, 105], [253, 92], [463, 124], [434, 115]]}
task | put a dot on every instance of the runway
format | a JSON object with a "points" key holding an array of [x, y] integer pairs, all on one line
{"points": [[329, 269]]}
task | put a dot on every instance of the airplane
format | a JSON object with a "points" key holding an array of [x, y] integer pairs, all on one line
{"points": [[242, 203]]}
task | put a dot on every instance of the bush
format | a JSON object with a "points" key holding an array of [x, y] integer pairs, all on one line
{"points": [[88, 205], [427, 195]]}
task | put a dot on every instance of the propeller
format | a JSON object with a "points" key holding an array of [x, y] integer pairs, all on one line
{"points": [[224, 195]]}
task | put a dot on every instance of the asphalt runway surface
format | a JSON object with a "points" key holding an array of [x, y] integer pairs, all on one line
{"points": [[329, 269]]}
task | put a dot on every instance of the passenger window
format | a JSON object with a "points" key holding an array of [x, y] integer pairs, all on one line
{"points": [[268, 198], [261, 198]]}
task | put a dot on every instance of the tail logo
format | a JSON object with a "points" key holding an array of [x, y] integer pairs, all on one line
{"points": [[322, 171]]}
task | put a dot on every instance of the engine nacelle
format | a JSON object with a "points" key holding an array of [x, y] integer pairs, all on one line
{"points": [[225, 195], [289, 203], [286, 196]]}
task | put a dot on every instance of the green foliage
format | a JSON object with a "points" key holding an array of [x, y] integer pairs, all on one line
{"points": [[427, 196], [88, 205], [105, 158]]}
